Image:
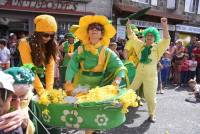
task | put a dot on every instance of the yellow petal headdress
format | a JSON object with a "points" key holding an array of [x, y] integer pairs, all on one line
{"points": [[85, 21]]}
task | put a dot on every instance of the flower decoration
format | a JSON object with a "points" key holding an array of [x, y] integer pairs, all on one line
{"points": [[45, 115], [52, 96], [101, 120], [71, 118], [85, 21]]}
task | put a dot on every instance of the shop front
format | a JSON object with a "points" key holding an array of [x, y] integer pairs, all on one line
{"points": [[17, 15]]}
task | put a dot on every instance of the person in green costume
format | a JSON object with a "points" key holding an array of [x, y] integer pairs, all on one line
{"points": [[93, 63], [149, 53], [68, 47]]}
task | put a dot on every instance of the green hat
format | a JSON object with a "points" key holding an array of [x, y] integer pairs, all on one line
{"points": [[153, 31], [69, 35], [21, 75]]}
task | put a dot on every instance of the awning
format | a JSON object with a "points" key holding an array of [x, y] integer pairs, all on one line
{"points": [[132, 9]]}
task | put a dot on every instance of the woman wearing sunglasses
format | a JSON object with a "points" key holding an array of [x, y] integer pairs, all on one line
{"points": [[40, 49], [93, 61]]}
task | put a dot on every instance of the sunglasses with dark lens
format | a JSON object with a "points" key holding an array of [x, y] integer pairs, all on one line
{"points": [[46, 35], [95, 26]]}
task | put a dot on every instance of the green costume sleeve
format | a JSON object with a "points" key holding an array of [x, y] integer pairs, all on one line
{"points": [[72, 67], [162, 46], [114, 67], [66, 44]]}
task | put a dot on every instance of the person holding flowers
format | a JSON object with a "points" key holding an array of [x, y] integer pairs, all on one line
{"points": [[41, 50], [93, 63], [149, 53]]}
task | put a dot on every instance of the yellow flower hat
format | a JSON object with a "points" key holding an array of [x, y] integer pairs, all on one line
{"points": [[85, 21]]}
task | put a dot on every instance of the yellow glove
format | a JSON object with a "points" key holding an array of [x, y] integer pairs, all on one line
{"points": [[68, 88]]}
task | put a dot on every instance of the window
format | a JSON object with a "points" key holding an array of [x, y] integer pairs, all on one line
{"points": [[142, 1], [191, 6]]}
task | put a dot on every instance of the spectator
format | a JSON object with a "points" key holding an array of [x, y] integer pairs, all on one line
{"points": [[165, 71], [4, 55], [192, 67], [196, 91], [113, 47], [14, 54], [184, 70], [6, 92], [120, 48], [196, 52], [191, 46]]}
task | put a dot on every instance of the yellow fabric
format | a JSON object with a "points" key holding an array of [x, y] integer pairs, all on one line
{"points": [[45, 23], [82, 33], [150, 81], [93, 48], [73, 28], [131, 53], [101, 62], [25, 53], [30, 128], [71, 48]]}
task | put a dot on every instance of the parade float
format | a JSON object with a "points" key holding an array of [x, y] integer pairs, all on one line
{"points": [[100, 108]]}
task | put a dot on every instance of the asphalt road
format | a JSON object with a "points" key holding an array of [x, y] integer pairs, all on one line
{"points": [[174, 116]]}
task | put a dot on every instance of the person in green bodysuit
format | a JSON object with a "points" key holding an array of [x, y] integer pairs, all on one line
{"points": [[93, 63], [68, 47]]}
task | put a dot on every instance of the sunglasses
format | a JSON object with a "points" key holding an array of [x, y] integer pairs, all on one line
{"points": [[95, 26], [46, 35], [19, 97]]}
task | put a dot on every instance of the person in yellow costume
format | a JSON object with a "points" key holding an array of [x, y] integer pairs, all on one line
{"points": [[40, 49], [149, 53], [130, 54], [93, 60]]}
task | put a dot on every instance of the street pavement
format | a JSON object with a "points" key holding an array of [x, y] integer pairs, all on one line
{"points": [[174, 116]]}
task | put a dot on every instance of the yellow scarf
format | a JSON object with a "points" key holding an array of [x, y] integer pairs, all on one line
{"points": [[93, 48], [71, 48]]}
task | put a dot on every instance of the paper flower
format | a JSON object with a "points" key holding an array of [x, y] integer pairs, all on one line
{"points": [[71, 118], [101, 119]]}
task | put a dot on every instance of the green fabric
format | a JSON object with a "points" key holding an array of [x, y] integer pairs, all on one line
{"points": [[145, 55], [21, 75], [66, 48], [90, 60], [114, 68], [69, 35], [95, 115], [153, 31]]}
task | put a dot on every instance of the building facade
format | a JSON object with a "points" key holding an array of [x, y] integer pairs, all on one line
{"points": [[183, 15], [17, 15]]}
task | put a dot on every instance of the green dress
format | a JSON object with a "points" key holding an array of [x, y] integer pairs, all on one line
{"points": [[85, 75]]}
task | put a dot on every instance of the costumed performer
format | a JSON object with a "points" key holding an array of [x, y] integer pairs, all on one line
{"points": [[93, 63], [149, 53], [41, 50]]}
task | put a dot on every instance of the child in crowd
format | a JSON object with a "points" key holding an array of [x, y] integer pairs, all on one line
{"points": [[192, 67], [196, 91], [6, 93], [184, 70], [165, 71], [4, 55], [113, 47]]}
